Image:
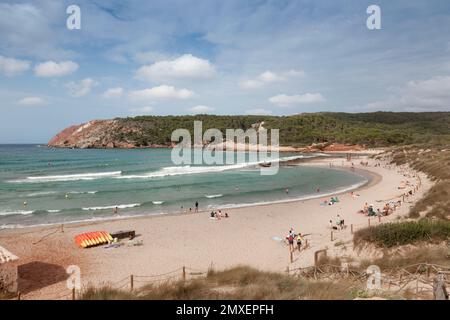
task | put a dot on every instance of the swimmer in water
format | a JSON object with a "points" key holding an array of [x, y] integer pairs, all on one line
{"points": [[25, 203]]}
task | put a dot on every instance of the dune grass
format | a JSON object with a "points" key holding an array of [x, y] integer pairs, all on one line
{"points": [[241, 283], [435, 163], [401, 233]]}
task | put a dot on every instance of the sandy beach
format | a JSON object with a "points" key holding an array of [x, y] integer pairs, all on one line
{"points": [[199, 242]]}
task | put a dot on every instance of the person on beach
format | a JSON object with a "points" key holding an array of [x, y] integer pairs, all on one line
{"points": [[290, 240], [196, 206], [299, 241], [287, 190], [226, 215], [115, 210]]}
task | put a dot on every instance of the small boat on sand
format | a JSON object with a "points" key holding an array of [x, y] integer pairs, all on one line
{"points": [[265, 164]]}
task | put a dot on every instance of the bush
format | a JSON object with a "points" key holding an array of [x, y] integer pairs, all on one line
{"points": [[401, 233]]}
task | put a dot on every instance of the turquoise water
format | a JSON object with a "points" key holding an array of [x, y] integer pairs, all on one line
{"points": [[65, 185]]}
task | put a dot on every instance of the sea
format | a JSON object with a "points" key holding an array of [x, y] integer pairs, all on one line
{"points": [[45, 186]]}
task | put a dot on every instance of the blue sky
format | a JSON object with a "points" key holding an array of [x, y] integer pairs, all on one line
{"points": [[276, 57]]}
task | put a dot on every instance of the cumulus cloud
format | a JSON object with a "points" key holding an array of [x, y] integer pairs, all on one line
{"points": [[422, 95], [31, 101], [185, 67], [113, 93], [55, 69], [201, 109], [161, 92], [283, 100], [258, 111], [142, 110], [268, 77], [11, 67], [82, 88]]}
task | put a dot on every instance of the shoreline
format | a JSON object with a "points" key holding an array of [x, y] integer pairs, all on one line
{"points": [[371, 179], [248, 237]]}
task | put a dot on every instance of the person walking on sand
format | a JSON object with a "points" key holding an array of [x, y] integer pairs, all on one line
{"points": [[196, 206], [290, 239], [299, 242]]}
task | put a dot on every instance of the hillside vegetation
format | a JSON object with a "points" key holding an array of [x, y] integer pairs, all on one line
{"points": [[370, 129]]}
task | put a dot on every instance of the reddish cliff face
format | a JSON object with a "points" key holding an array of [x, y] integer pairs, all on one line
{"points": [[93, 134]]}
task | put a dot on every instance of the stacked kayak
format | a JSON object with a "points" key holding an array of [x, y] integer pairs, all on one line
{"points": [[90, 239]]}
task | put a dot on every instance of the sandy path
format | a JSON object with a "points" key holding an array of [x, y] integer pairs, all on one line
{"points": [[196, 241]]}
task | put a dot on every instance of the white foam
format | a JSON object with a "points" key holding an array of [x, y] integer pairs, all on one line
{"points": [[119, 206], [43, 193], [70, 177], [185, 170], [157, 202], [211, 196], [15, 212], [53, 210], [82, 192]]}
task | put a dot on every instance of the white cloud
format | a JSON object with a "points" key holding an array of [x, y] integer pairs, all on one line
{"points": [[201, 109], [258, 111], [268, 77], [31, 101], [161, 92], [11, 67], [82, 88], [187, 66], [55, 69], [283, 100], [113, 93], [422, 95], [142, 110], [251, 84]]}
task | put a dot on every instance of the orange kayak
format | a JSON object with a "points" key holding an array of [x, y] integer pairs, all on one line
{"points": [[90, 239]]}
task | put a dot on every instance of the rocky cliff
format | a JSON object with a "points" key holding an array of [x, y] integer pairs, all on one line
{"points": [[95, 134]]}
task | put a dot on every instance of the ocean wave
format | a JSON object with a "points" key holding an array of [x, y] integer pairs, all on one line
{"points": [[212, 196], [119, 206], [82, 192], [157, 202], [70, 177], [185, 170], [15, 212], [302, 198], [42, 193]]}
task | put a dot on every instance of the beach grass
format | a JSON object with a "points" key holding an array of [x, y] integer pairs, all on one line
{"points": [[435, 162], [240, 283], [401, 233]]}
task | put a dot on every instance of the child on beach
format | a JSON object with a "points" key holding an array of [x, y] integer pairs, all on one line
{"points": [[299, 241]]}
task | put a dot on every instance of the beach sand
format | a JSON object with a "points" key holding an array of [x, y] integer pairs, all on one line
{"points": [[198, 242]]}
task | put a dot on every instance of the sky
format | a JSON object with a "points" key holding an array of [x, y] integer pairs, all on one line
{"points": [[162, 57]]}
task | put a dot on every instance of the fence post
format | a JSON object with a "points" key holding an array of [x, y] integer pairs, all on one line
{"points": [[331, 235], [131, 282], [351, 228], [369, 221], [287, 269], [73, 293], [291, 255], [184, 273], [19, 295], [379, 219]]}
